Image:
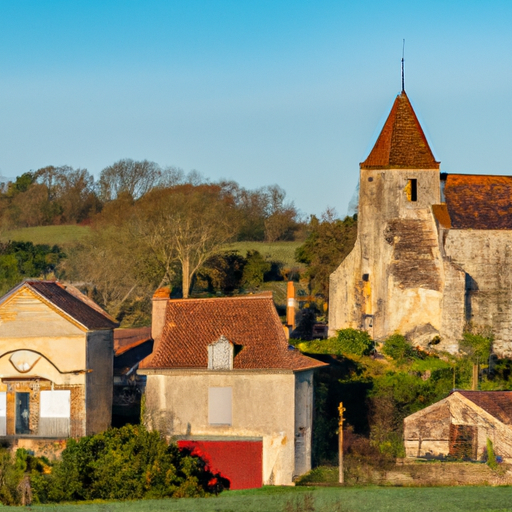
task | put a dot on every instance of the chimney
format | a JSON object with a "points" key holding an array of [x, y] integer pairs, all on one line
{"points": [[290, 305], [160, 299]]}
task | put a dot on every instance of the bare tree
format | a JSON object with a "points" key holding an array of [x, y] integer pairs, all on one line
{"points": [[127, 175], [186, 224]]}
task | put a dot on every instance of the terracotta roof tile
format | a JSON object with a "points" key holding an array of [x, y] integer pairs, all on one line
{"points": [[401, 143], [250, 321], [479, 202], [496, 403], [73, 304]]}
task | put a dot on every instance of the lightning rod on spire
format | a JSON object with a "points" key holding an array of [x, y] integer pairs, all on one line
{"points": [[403, 76]]}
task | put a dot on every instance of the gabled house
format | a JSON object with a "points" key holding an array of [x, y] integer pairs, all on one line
{"points": [[460, 425], [56, 360], [223, 380]]}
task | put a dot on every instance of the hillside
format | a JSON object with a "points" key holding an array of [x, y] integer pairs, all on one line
{"points": [[51, 235]]}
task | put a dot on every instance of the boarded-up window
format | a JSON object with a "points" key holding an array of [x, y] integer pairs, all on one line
{"points": [[54, 413], [463, 442], [220, 405], [3, 413]]}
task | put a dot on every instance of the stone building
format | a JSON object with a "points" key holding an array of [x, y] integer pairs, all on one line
{"points": [[434, 251], [223, 379], [460, 425], [56, 360]]}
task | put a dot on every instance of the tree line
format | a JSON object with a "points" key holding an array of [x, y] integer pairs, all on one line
{"points": [[64, 195]]}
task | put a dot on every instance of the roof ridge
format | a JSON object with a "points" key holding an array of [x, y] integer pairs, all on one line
{"points": [[262, 295]]}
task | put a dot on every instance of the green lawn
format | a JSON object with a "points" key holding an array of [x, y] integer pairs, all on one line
{"points": [[50, 235], [337, 499], [283, 252]]}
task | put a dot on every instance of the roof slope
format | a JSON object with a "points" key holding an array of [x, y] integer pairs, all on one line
{"points": [[74, 304], [401, 143], [479, 202], [126, 339], [496, 403], [250, 321]]}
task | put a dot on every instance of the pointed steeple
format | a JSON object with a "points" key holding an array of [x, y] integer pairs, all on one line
{"points": [[401, 143]]}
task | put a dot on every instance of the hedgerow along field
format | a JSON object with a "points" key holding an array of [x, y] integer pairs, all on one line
{"points": [[283, 252], [317, 499]]}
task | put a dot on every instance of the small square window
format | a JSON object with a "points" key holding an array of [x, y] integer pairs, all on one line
{"points": [[366, 277]]}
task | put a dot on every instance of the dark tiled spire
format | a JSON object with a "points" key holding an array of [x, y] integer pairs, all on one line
{"points": [[401, 143]]}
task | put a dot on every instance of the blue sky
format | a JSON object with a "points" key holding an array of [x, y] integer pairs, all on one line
{"points": [[261, 92]]}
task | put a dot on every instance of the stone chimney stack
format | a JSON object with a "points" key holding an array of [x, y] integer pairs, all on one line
{"points": [[160, 299]]}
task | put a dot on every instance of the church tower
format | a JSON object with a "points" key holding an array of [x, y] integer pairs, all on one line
{"points": [[392, 279]]}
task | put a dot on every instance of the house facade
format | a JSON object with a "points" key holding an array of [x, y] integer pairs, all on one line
{"points": [[56, 360], [432, 256], [460, 425], [222, 378]]}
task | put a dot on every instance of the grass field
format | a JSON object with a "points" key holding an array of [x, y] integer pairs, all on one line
{"points": [[283, 252], [297, 499], [50, 235]]}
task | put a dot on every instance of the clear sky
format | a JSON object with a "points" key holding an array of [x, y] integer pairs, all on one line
{"points": [[261, 92]]}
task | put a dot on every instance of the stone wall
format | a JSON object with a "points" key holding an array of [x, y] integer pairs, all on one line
{"points": [[486, 257]]}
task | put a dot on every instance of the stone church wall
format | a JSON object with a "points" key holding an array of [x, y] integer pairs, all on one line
{"points": [[486, 257]]}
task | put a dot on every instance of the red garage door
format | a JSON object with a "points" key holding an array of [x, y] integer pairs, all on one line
{"points": [[238, 461]]}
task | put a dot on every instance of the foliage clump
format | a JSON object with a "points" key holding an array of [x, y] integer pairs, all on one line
{"points": [[354, 342], [125, 464], [477, 346], [398, 348]]}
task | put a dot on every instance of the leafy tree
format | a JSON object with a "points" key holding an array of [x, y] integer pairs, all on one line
{"points": [[224, 271], [353, 341], [477, 345], [329, 241], [19, 260], [255, 269], [398, 348]]}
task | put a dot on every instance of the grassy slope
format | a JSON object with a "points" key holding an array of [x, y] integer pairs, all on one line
{"points": [[50, 235], [279, 499], [283, 252]]}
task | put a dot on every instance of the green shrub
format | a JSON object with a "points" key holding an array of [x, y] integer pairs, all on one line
{"points": [[491, 456], [355, 342], [255, 269], [477, 346], [398, 348], [124, 464]]}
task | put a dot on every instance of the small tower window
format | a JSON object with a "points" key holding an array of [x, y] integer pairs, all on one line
{"points": [[411, 190]]}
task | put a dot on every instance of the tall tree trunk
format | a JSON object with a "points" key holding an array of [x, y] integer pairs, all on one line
{"points": [[185, 271]]}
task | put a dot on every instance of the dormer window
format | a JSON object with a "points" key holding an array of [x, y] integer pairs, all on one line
{"points": [[220, 354]]}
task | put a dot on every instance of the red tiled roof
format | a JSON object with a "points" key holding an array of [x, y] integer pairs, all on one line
{"points": [[479, 202], [75, 304], [401, 143], [126, 339], [496, 403], [250, 321]]}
